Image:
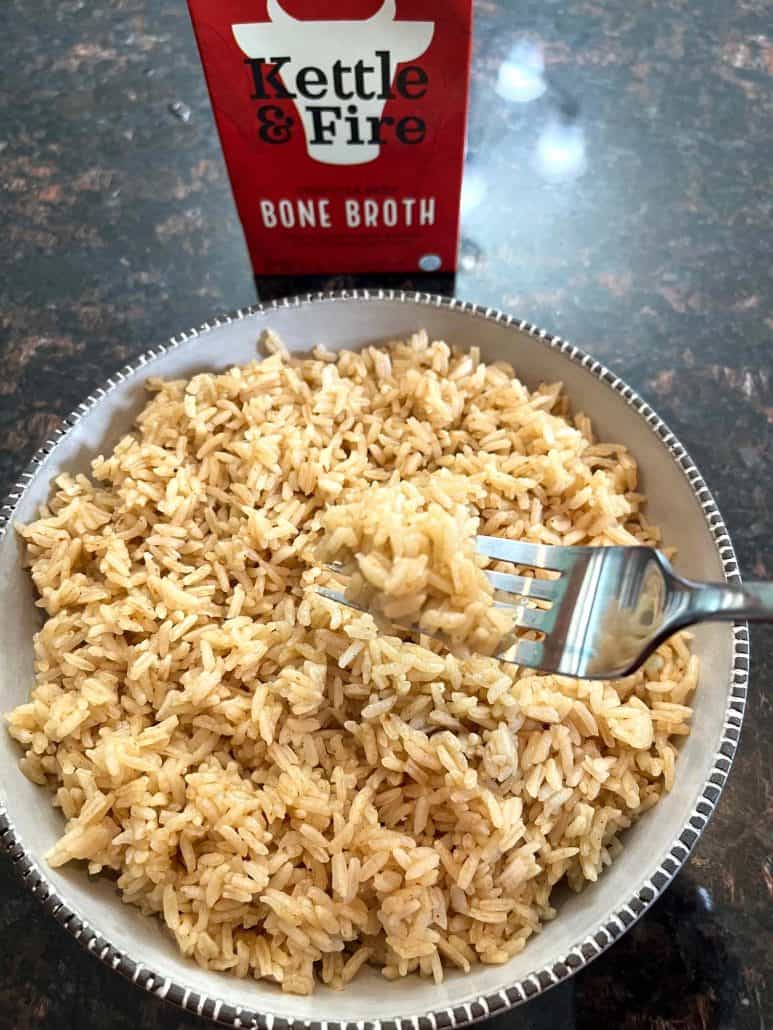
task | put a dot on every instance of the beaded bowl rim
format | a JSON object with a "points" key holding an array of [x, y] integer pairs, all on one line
{"points": [[611, 927]]}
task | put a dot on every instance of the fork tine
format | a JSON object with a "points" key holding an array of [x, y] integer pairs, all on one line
{"points": [[336, 595], [540, 556], [529, 618], [523, 618], [526, 586], [530, 653]]}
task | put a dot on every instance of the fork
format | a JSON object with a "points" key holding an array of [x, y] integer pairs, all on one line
{"points": [[605, 609]]}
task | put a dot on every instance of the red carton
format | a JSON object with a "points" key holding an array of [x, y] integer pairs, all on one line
{"points": [[343, 128]]}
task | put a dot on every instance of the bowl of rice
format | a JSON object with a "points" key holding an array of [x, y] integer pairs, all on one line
{"points": [[271, 809]]}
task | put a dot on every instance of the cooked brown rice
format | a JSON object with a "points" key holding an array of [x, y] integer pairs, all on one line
{"points": [[292, 792], [407, 552]]}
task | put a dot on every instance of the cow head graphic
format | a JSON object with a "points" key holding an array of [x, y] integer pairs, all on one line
{"points": [[335, 72]]}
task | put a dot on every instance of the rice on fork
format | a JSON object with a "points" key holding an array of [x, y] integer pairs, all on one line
{"points": [[409, 550]]}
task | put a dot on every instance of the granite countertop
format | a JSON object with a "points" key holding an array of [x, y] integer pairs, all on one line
{"points": [[647, 243]]}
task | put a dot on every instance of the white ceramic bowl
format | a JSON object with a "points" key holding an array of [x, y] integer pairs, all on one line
{"points": [[655, 847]]}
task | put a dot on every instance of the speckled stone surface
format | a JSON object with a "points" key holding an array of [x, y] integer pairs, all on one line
{"points": [[627, 208]]}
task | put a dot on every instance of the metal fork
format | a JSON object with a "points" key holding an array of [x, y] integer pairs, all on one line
{"points": [[605, 610]]}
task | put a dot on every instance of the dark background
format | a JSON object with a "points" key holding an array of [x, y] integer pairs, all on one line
{"points": [[646, 241]]}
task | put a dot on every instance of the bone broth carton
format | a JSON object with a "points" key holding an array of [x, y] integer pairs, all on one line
{"points": [[342, 125]]}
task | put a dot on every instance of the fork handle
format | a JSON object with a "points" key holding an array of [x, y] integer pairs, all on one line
{"points": [[727, 602]]}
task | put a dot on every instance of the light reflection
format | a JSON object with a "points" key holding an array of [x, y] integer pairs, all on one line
{"points": [[521, 77], [473, 190], [561, 151]]}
